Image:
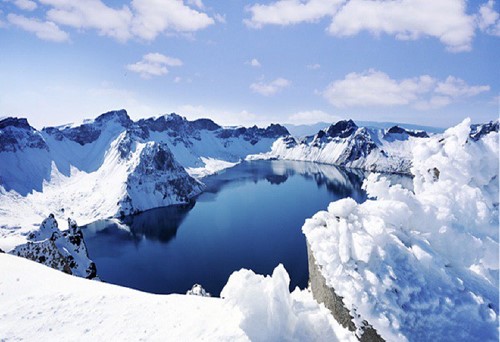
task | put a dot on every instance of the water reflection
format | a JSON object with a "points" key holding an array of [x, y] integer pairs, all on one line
{"points": [[250, 216]]}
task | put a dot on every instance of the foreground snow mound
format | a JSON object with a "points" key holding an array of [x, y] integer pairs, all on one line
{"points": [[62, 250], [421, 265], [40, 304], [270, 313], [346, 144]]}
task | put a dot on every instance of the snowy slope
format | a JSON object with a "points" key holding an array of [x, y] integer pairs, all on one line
{"points": [[40, 304], [111, 166], [422, 265], [346, 144]]}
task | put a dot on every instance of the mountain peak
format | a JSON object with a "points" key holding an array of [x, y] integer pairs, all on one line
{"points": [[14, 122], [118, 115], [342, 129]]}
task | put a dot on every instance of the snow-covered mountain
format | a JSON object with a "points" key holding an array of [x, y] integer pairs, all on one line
{"points": [[346, 144], [305, 130], [137, 165], [111, 166]]}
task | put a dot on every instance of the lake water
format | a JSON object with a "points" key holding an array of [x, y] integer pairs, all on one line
{"points": [[250, 216]]}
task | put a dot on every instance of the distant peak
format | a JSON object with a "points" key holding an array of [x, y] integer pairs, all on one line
{"points": [[174, 117], [342, 129], [400, 130], [14, 122], [120, 115]]}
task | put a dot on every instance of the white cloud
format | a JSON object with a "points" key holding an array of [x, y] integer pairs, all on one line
{"points": [[289, 12], [312, 116], [456, 87], [445, 20], [91, 14], [254, 62], [196, 3], [488, 19], [271, 88], [408, 19], [154, 64], [315, 66], [45, 30], [375, 88], [153, 17], [223, 116], [142, 19], [26, 5]]}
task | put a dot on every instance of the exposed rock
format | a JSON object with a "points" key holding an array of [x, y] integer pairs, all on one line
{"points": [[198, 290], [159, 178], [89, 132], [17, 134], [326, 295], [405, 132], [65, 251], [342, 129], [478, 131], [14, 122]]}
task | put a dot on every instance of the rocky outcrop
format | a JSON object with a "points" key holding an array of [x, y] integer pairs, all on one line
{"points": [[88, 132], [62, 250], [478, 131], [326, 295], [16, 134], [158, 180], [198, 290]]}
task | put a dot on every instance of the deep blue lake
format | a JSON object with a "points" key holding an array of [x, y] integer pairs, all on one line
{"points": [[250, 216]]}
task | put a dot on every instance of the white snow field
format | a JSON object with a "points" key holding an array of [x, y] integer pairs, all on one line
{"points": [[420, 266], [42, 304]]}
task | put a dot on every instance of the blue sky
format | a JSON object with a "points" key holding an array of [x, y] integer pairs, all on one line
{"points": [[251, 62]]}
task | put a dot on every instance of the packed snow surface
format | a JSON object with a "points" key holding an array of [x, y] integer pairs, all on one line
{"points": [[41, 304], [422, 265]]}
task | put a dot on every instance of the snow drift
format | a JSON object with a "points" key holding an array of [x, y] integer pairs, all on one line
{"points": [[39, 303], [421, 265]]}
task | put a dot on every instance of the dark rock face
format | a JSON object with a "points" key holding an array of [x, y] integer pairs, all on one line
{"points": [[62, 250], [405, 132], [479, 131], [159, 174], [15, 122], [121, 116], [89, 132], [326, 295], [205, 124], [360, 146], [342, 129], [17, 134]]}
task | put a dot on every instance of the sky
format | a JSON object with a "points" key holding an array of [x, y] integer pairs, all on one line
{"points": [[251, 62]]}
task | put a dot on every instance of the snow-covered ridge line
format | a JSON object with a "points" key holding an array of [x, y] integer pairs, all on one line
{"points": [[421, 265], [346, 144], [111, 166]]}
